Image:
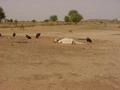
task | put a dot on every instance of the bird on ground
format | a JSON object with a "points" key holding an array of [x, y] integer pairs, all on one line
{"points": [[89, 40], [14, 34], [38, 35], [28, 37], [0, 34]]}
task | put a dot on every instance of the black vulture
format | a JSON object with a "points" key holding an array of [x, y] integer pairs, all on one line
{"points": [[14, 34], [0, 34], [28, 37], [38, 35], [89, 40]]}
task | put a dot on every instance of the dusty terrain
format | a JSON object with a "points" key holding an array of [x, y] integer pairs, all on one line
{"points": [[40, 64]]}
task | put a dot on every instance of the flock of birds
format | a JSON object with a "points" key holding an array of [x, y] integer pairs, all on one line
{"points": [[27, 36]]}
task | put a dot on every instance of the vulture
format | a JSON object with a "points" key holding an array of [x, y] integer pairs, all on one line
{"points": [[38, 35], [0, 34], [14, 34], [88, 40], [28, 37]]}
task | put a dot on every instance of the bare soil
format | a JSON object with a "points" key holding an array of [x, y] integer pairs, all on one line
{"points": [[41, 64]]}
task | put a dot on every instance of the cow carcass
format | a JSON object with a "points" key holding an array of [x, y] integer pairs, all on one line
{"points": [[67, 41]]}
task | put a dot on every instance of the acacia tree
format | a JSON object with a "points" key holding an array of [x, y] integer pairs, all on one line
{"points": [[2, 14], [75, 16], [66, 19], [53, 18]]}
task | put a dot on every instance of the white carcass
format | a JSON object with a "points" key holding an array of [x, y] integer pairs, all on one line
{"points": [[65, 40]]}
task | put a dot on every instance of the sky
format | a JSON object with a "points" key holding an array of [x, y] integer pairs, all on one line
{"points": [[43, 9]]}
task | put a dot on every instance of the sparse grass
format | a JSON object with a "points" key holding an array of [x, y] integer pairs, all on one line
{"points": [[82, 25]]}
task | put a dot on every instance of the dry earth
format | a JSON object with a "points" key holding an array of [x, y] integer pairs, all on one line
{"points": [[40, 64]]}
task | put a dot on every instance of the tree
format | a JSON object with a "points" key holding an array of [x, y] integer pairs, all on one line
{"points": [[11, 20], [2, 14], [53, 18], [46, 20], [75, 16], [33, 20], [66, 19], [71, 12]]}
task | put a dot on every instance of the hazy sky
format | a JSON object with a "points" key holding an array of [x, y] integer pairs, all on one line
{"points": [[42, 9]]}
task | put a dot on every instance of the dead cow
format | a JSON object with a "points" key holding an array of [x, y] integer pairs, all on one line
{"points": [[65, 40], [28, 37], [38, 35]]}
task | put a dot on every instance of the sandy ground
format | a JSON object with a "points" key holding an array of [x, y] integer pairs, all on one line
{"points": [[40, 64]]}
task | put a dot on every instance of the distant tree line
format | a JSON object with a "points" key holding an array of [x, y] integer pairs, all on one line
{"points": [[73, 16]]}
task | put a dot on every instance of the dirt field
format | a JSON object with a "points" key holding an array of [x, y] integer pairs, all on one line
{"points": [[40, 64]]}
